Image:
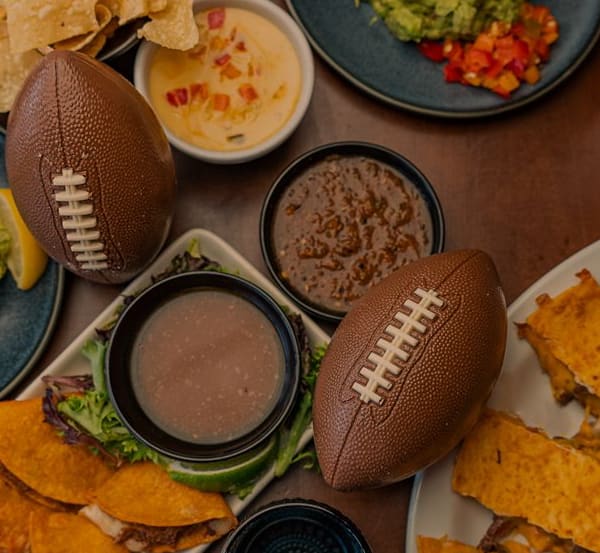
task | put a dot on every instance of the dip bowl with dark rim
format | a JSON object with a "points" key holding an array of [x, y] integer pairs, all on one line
{"points": [[296, 525], [342, 217], [203, 366]]}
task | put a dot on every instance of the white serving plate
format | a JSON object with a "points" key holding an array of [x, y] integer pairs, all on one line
{"points": [[435, 510], [71, 361]]}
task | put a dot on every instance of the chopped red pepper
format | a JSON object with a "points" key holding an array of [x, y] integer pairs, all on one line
{"points": [[177, 97], [220, 102], [248, 92], [476, 60], [241, 46], [432, 50], [223, 59], [199, 91], [503, 56], [231, 71], [216, 18]]}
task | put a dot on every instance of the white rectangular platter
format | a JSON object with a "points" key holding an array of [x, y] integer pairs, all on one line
{"points": [[71, 361]]}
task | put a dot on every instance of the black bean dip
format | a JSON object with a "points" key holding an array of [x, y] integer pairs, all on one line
{"points": [[343, 225]]}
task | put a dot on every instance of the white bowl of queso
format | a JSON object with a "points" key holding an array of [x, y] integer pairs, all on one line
{"points": [[240, 92]]}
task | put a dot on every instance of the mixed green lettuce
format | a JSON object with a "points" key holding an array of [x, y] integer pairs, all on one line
{"points": [[80, 408]]}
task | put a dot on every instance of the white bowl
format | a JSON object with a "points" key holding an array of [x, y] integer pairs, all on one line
{"points": [[287, 25]]}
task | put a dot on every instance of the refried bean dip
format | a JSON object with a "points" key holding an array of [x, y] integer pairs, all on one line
{"points": [[343, 225], [207, 367]]}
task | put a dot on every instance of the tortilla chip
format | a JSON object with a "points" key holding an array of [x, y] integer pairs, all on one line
{"points": [[14, 68], [15, 509], [94, 48], [37, 23], [68, 533], [103, 17], [134, 9], [143, 493], [35, 454], [173, 27]]}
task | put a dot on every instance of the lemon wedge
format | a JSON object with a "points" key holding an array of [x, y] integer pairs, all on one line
{"points": [[26, 260]]}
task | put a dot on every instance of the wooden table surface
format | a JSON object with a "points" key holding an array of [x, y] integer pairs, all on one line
{"points": [[524, 187]]}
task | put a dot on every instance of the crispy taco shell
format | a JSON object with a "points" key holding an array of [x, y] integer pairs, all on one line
{"points": [[15, 509], [68, 533], [35, 454], [158, 513]]}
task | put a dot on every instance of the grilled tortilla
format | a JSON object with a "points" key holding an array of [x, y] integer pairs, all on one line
{"points": [[15, 509], [34, 458], [520, 472], [565, 333], [142, 508], [68, 533]]}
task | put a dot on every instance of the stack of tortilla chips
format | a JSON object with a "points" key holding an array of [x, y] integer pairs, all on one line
{"points": [[31, 28], [60, 498]]}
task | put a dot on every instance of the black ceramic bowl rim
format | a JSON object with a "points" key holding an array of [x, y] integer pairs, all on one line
{"points": [[398, 162], [121, 389], [285, 514]]}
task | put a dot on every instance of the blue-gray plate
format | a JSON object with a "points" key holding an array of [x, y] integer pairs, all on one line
{"points": [[369, 56], [26, 318]]}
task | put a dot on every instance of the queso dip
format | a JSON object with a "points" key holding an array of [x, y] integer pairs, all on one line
{"points": [[235, 89]]}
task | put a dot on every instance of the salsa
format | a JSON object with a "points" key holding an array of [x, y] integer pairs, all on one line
{"points": [[344, 224], [235, 89], [207, 367]]}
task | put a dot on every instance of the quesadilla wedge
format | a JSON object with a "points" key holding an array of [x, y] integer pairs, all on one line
{"points": [[144, 509], [34, 459], [565, 333], [68, 533], [517, 471]]}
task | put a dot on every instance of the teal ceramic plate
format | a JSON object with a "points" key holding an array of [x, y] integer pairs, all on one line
{"points": [[26, 318], [397, 73]]}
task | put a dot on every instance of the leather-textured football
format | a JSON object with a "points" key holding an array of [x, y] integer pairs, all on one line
{"points": [[409, 369], [90, 168]]}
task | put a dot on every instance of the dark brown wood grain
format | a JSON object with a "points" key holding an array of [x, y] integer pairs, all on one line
{"points": [[522, 186]]}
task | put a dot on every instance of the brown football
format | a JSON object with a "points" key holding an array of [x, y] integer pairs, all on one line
{"points": [[90, 168], [409, 369]]}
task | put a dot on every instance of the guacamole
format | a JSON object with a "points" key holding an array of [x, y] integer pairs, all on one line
{"points": [[437, 19], [4, 249]]}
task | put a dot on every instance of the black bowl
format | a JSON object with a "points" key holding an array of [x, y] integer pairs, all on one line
{"points": [[373, 151], [120, 384], [296, 526]]}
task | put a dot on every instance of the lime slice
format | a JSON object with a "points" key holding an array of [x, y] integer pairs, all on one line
{"points": [[225, 476]]}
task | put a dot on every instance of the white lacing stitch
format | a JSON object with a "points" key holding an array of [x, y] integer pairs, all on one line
{"points": [[77, 217], [401, 336]]}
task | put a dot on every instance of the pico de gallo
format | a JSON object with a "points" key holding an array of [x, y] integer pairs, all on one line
{"points": [[502, 57]]}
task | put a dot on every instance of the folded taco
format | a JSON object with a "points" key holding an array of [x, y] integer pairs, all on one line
{"points": [[68, 533], [15, 510], [143, 509], [35, 460]]}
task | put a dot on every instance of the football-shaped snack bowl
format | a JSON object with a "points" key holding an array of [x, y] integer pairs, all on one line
{"points": [[90, 168], [409, 369]]}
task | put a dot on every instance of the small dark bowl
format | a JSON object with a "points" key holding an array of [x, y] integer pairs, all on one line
{"points": [[120, 383], [296, 525], [373, 151]]}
